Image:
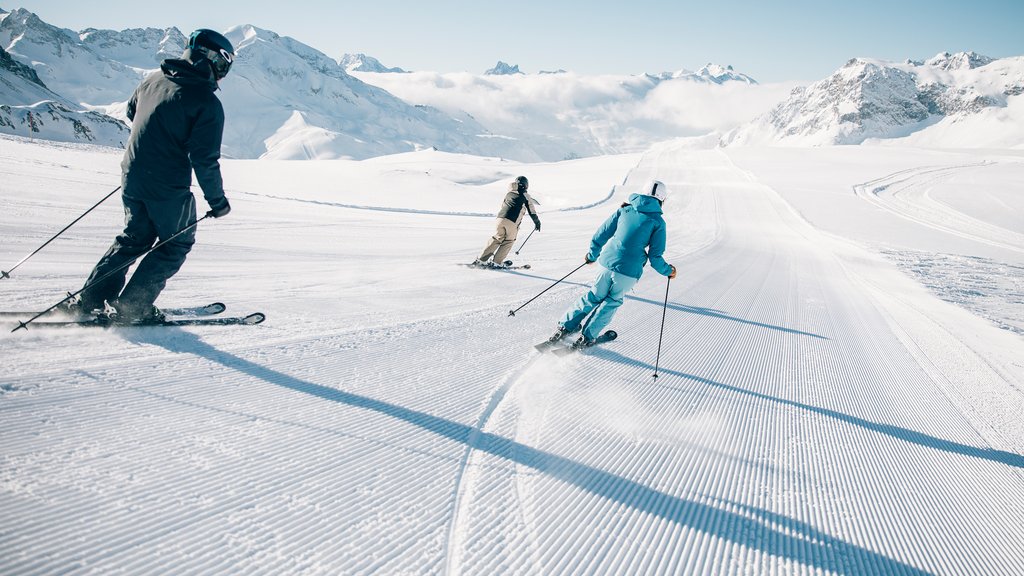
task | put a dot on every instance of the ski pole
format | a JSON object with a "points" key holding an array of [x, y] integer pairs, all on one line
{"points": [[7, 273], [107, 275], [657, 360], [513, 312], [525, 241]]}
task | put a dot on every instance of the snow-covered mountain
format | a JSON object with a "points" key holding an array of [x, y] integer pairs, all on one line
{"points": [[713, 73], [286, 100], [868, 99], [141, 48], [29, 108], [363, 63], [71, 65], [503, 69], [283, 99]]}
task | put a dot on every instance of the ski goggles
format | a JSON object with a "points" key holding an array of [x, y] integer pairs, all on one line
{"points": [[220, 61]]}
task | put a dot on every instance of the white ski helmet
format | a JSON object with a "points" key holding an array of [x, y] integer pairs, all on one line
{"points": [[657, 189]]}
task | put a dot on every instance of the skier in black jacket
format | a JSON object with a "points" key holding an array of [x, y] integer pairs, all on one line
{"points": [[177, 126], [509, 217]]}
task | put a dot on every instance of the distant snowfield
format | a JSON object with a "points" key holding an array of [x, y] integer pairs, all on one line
{"points": [[819, 409]]}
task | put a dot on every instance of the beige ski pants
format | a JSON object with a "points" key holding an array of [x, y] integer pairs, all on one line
{"points": [[501, 242]]}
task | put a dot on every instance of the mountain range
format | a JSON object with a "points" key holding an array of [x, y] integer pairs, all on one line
{"points": [[287, 100], [924, 102], [363, 63]]}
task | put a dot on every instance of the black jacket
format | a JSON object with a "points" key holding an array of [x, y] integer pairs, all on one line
{"points": [[177, 126], [513, 205]]}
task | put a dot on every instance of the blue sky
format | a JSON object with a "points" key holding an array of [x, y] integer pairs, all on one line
{"points": [[771, 41]]}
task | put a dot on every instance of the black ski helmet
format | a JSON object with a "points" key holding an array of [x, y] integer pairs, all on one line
{"points": [[215, 48], [522, 183]]}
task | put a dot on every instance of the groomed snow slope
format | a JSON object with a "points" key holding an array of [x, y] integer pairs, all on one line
{"points": [[811, 414]]}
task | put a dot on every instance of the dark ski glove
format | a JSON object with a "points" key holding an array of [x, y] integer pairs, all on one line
{"points": [[536, 222], [220, 208]]}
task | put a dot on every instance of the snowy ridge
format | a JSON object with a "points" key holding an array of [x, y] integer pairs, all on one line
{"points": [[710, 73], [55, 120], [141, 48], [301, 104], [363, 63], [872, 99], [79, 71], [32, 110], [503, 69]]}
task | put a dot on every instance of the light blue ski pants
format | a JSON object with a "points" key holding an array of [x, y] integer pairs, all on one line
{"points": [[608, 293]]}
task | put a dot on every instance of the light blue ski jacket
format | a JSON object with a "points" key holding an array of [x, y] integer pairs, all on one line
{"points": [[633, 234]]}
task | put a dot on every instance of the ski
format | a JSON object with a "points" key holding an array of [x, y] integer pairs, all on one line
{"points": [[607, 336], [211, 309], [549, 343], [186, 311], [103, 322], [489, 266]]}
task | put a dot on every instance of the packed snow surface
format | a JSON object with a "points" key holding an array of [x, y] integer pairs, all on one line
{"points": [[818, 410]]}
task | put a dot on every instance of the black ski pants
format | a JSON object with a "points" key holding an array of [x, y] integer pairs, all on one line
{"points": [[145, 223]]}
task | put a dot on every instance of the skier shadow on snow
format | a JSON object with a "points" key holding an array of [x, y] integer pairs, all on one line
{"points": [[754, 528], [723, 316], [905, 434], [688, 309]]}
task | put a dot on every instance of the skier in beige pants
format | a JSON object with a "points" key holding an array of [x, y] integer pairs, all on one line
{"points": [[509, 217]]}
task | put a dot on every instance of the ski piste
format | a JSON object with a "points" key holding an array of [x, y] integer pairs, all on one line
{"points": [[491, 266], [186, 311], [560, 348], [103, 322]]}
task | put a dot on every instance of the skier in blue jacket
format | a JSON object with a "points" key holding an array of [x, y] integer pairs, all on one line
{"points": [[630, 237]]}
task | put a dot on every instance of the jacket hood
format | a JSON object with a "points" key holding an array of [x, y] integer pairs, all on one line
{"points": [[185, 73], [646, 204]]}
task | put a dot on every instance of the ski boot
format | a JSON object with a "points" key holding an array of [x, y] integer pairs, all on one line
{"points": [[583, 342], [72, 306], [562, 332], [118, 313]]}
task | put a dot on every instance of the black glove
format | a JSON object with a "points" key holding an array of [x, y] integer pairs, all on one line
{"points": [[219, 208], [536, 222]]}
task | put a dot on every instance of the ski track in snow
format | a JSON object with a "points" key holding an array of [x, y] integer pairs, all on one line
{"points": [[813, 415], [906, 193]]}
